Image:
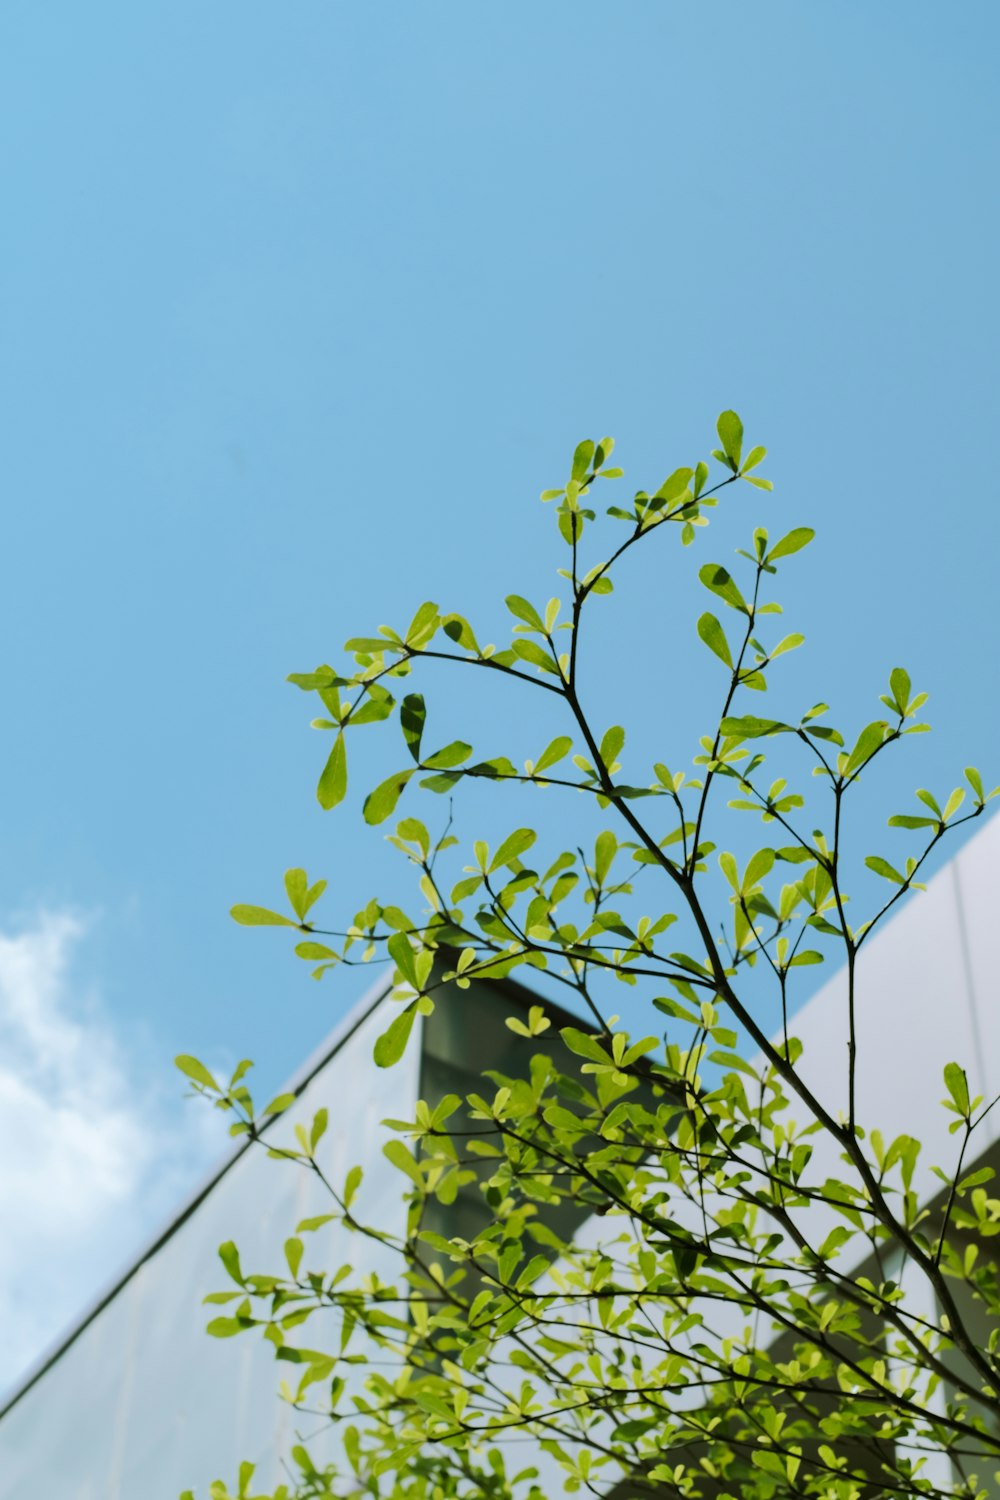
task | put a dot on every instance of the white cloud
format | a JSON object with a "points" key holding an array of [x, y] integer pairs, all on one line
{"points": [[90, 1159]]}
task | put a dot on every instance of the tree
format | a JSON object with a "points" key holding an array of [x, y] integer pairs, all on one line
{"points": [[737, 1328]]}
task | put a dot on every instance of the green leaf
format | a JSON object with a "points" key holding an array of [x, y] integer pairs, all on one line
{"points": [[581, 460], [423, 625], [458, 629], [885, 869], [605, 848], [230, 1257], [760, 865], [279, 1104], [374, 710], [584, 1044], [730, 430], [225, 1328], [351, 1184], [974, 779], [560, 747], [522, 610], [537, 1266], [315, 951], [611, 745], [716, 578], [412, 716], [452, 755], [196, 1071], [332, 785], [869, 740], [953, 803], [790, 643], [293, 1255], [392, 1043], [899, 686], [793, 542], [532, 652], [380, 803], [672, 488], [401, 952], [496, 769], [396, 1152], [714, 637], [442, 782], [512, 848], [301, 895], [323, 677], [414, 832], [957, 1085], [904, 820], [259, 916], [750, 728], [627, 1432], [364, 645], [320, 1121]]}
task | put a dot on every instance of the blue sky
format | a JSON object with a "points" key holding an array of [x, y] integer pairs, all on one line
{"points": [[303, 305]]}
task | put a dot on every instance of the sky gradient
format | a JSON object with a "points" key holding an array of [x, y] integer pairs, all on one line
{"points": [[301, 307]]}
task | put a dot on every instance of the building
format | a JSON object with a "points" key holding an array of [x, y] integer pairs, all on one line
{"points": [[136, 1403]]}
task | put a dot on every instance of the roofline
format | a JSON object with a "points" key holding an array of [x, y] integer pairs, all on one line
{"points": [[328, 1048], [300, 1081]]}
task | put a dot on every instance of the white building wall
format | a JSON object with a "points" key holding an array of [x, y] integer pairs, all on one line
{"points": [[143, 1404], [928, 993]]}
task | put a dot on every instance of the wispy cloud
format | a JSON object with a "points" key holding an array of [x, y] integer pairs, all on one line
{"points": [[90, 1157]]}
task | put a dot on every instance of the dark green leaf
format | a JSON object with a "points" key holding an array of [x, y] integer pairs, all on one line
{"points": [[412, 716]]}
